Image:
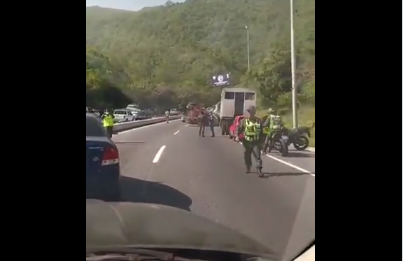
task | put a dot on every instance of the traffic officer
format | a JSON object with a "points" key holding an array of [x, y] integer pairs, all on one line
{"points": [[107, 121], [274, 122], [252, 129]]}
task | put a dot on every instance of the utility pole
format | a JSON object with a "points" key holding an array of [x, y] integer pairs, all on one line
{"points": [[294, 87], [247, 46]]}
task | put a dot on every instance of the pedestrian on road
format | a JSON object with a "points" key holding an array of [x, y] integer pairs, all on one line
{"points": [[252, 129], [211, 123], [107, 121], [167, 113], [203, 121]]}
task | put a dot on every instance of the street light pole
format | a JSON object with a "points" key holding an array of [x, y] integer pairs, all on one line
{"points": [[247, 46], [293, 84]]}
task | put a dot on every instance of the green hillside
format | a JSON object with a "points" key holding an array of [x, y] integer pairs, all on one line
{"points": [[165, 55]]}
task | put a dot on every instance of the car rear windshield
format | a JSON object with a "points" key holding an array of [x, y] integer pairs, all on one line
{"points": [[119, 112], [94, 128]]}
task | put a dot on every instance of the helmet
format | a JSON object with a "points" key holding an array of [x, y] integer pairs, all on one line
{"points": [[271, 111]]}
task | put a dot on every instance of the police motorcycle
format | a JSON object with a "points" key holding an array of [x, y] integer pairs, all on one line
{"points": [[299, 138]]}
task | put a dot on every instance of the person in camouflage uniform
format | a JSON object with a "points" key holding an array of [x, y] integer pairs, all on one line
{"points": [[274, 122], [252, 129]]}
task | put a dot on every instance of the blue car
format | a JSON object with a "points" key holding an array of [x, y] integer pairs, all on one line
{"points": [[102, 163]]}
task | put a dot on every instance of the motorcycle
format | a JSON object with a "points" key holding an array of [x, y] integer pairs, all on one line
{"points": [[280, 141], [299, 138]]}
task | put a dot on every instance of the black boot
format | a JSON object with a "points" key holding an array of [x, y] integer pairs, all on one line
{"points": [[248, 169]]}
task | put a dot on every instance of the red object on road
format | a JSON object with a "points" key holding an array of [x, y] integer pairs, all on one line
{"points": [[193, 112], [234, 126]]}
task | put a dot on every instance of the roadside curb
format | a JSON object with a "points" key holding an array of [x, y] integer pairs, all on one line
{"points": [[310, 149]]}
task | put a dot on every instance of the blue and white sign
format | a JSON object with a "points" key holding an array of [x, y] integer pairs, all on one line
{"points": [[221, 79]]}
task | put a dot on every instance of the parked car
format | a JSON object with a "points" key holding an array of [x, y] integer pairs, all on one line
{"points": [[102, 163], [140, 115], [234, 126], [149, 113], [123, 115]]}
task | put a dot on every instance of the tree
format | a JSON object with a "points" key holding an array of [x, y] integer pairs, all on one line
{"points": [[168, 53]]}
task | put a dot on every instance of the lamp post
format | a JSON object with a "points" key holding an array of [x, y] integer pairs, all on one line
{"points": [[293, 84], [247, 46]]}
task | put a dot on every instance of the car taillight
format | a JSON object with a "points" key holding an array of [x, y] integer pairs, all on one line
{"points": [[111, 156]]}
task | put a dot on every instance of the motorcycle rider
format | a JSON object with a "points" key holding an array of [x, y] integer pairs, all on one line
{"points": [[274, 122], [107, 121], [252, 129]]}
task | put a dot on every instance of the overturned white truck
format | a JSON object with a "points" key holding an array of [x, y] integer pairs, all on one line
{"points": [[234, 102]]}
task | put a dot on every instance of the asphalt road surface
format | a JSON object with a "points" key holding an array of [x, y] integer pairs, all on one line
{"points": [[170, 164]]}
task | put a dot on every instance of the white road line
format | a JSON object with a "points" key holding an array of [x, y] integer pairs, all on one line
{"points": [[289, 164], [187, 125], [158, 155], [176, 132]]}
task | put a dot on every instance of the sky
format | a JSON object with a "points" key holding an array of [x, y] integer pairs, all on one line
{"points": [[133, 5]]}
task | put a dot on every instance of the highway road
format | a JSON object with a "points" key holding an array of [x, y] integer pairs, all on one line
{"points": [[170, 164]]}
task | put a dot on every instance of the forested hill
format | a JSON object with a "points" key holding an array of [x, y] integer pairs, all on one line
{"points": [[168, 53]]}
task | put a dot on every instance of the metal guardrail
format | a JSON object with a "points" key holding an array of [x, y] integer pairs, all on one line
{"points": [[135, 124]]}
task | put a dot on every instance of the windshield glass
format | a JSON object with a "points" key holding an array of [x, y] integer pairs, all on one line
{"points": [[207, 62], [119, 112], [132, 106]]}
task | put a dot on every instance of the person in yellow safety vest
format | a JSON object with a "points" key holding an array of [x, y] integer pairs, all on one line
{"points": [[274, 122], [266, 130], [107, 121], [252, 129]]}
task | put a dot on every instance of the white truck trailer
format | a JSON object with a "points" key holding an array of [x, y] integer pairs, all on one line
{"points": [[234, 102]]}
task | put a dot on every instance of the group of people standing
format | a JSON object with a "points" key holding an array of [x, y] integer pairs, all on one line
{"points": [[206, 118], [252, 130], [257, 135]]}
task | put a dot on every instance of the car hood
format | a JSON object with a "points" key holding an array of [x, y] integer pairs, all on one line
{"points": [[122, 224]]}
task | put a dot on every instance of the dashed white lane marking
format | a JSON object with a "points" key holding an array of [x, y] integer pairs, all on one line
{"points": [[176, 132], [158, 155], [289, 164], [187, 125]]}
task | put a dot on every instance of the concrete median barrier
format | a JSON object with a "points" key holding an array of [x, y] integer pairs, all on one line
{"points": [[135, 124]]}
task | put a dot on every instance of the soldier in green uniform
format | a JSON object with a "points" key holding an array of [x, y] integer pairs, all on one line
{"points": [[252, 129], [274, 122]]}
